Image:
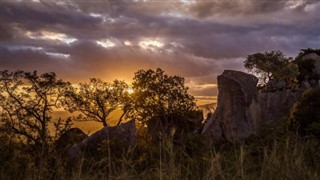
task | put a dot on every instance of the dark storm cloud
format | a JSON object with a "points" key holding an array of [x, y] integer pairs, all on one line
{"points": [[216, 40], [87, 59], [196, 39], [29, 59], [203, 8], [27, 16], [5, 33], [33, 16]]}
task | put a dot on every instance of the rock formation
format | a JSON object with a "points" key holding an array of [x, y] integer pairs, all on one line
{"points": [[275, 105], [309, 67], [119, 138], [232, 120], [313, 56], [212, 132], [275, 85], [68, 139], [242, 109]]}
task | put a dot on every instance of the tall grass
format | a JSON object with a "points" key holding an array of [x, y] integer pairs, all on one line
{"points": [[284, 156]]}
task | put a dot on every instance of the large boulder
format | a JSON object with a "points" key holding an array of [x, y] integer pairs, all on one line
{"points": [[68, 139], [309, 67], [273, 106], [316, 72], [119, 138], [275, 85], [232, 117], [242, 110], [316, 69], [311, 56], [212, 131]]}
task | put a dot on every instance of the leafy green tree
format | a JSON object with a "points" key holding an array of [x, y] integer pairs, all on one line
{"points": [[26, 103], [271, 65], [162, 101], [305, 114], [289, 72], [97, 99]]}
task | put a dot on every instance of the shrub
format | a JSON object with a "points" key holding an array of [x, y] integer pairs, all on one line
{"points": [[305, 114]]}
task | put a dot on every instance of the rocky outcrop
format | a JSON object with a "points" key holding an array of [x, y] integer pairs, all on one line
{"points": [[212, 131], [232, 117], [315, 83], [309, 67], [242, 110], [275, 105], [68, 139], [313, 56], [118, 138], [316, 58], [275, 85]]}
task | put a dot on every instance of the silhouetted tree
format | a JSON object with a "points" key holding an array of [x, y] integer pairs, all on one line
{"points": [[162, 101], [26, 103], [271, 65], [97, 99]]}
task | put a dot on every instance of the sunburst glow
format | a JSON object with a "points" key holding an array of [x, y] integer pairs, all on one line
{"points": [[130, 91]]}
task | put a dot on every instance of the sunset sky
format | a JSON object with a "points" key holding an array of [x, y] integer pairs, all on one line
{"points": [[113, 39]]}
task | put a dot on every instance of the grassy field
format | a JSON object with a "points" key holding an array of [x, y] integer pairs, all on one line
{"points": [[277, 156]]}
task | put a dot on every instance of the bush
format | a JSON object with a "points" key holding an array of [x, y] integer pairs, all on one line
{"points": [[305, 114]]}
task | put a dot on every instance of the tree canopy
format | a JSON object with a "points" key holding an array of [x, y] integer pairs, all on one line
{"points": [[271, 65], [161, 101], [97, 99], [26, 103]]}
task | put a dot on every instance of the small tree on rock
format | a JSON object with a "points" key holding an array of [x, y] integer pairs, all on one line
{"points": [[271, 65]]}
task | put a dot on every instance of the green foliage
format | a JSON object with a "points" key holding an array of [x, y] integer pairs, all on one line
{"points": [[289, 72], [305, 114], [271, 65], [162, 101], [97, 99]]}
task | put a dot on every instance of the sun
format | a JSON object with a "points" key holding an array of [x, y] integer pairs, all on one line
{"points": [[130, 91]]}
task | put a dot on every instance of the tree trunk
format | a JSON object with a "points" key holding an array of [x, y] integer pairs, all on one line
{"points": [[104, 122]]}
